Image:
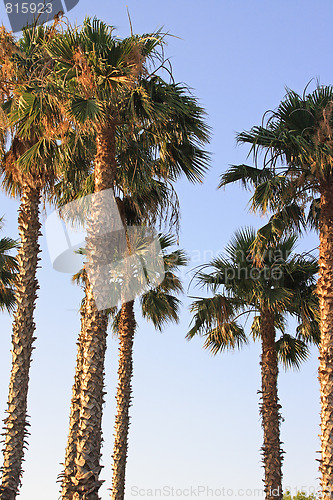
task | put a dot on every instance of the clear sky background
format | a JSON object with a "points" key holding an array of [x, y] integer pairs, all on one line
{"points": [[195, 418]]}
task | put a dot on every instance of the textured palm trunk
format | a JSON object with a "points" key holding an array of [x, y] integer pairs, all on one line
{"points": [[89, 432], [22, 341], [86, 482], [124, 390], [270, 409], [70, 454], [325, 293]]}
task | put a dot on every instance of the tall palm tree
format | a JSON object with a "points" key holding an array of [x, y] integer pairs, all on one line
{"points": [[154, 198], [8, 272], [160, 306], [283, 284], [295, 185], [27, 171], [141, 201], [108, 88]]}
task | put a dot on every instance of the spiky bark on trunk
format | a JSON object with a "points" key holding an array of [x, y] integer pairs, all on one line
{"points": [[70, 454], [22, 340], [89, 434], [325, 293], [271, 450], [126, 337]]}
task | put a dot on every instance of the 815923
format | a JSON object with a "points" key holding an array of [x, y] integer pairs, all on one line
{"points": [[28, 8]]}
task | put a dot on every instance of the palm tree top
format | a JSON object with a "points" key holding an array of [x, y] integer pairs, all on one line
{"points": [[237, 269], [295, 149], [29, 114], [104, 81], [97, 67], [283, 283], [298, 133]]}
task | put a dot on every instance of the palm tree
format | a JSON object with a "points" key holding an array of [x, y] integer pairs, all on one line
{"points": [[153, 198], [8, 272], [283, 284], [27, 171], [299, 193], [141, 201], [109, 90], [160, 306]]}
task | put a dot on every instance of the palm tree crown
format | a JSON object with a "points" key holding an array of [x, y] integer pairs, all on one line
{"points": [[299, 194], [296, 149], [283, 283]]}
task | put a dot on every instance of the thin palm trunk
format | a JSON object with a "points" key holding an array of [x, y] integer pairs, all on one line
{"points": [[70, 454], [325, 293], [89, 436], [89, 432], [271, 450], [125, 370], [22, 341]]}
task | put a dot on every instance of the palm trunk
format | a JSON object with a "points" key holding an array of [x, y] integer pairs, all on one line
{"points": [[271, 450], [70, 455], [325, 293], [89, 433], [89, 436], [22, 341], [124, 390]]}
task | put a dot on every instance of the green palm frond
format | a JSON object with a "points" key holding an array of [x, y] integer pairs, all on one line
{"points": [[82, 110], [295, 148], [210, 313], [160, 308], [222, 274], [292, 352], [283, 283], [160, 304], [227, 336], [32, 115], [213, 320], [279, 298], [237, 249], [249, 177], [8, 272], [309, 331]]}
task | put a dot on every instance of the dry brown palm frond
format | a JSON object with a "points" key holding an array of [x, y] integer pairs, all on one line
{"points": [[85, 76], [324, 130], [135, 61]]}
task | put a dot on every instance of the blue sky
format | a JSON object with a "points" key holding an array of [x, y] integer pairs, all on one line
{"points": [[195, 418]]}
